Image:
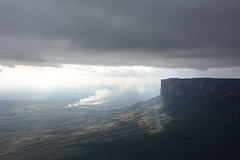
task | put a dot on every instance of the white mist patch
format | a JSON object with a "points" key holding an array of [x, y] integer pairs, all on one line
{"points": [[105, 95], [101, 96]]}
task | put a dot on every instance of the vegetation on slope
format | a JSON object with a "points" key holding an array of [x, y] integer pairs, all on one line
{"points": [[155, 129]]}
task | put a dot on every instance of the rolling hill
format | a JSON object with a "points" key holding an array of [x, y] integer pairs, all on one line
{"points": [[168, 127]]}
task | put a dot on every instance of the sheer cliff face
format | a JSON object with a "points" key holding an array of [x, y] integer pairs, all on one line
{"points": [[224, 89]]}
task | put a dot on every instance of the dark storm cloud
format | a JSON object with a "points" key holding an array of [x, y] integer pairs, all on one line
{"points": [[172, 33]]}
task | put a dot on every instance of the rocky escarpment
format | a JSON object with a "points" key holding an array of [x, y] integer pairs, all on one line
{"points": [[224, 89]]}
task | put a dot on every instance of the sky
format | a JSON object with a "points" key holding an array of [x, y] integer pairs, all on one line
{"points": [[53, 45]]}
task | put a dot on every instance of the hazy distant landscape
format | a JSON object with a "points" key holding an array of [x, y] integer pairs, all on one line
{"points": [[50, 131], [170, 126]]}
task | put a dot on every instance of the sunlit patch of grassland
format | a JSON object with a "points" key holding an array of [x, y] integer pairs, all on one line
{"points": [[101, 126]]}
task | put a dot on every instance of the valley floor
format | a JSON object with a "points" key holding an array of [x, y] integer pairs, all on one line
{"points": [[153, 129]]}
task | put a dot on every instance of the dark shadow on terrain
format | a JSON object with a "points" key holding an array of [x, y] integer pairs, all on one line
{"points": [[203, 128], [199, 129]]}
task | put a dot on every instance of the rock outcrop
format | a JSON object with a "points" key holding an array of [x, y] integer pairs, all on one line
{"points": [[223, 89]]}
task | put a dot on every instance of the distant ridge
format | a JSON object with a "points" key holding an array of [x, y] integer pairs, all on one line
{"points": [[216, 88]]}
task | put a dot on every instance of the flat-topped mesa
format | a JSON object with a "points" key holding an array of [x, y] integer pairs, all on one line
{"points": [[224, 89]]}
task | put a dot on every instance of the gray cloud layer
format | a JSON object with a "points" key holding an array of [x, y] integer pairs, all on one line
{"points": [[172, 33]]}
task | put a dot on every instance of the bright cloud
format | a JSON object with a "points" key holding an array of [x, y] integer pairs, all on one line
{"points": [[124, 78], [71, 77], [101, 96]]}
